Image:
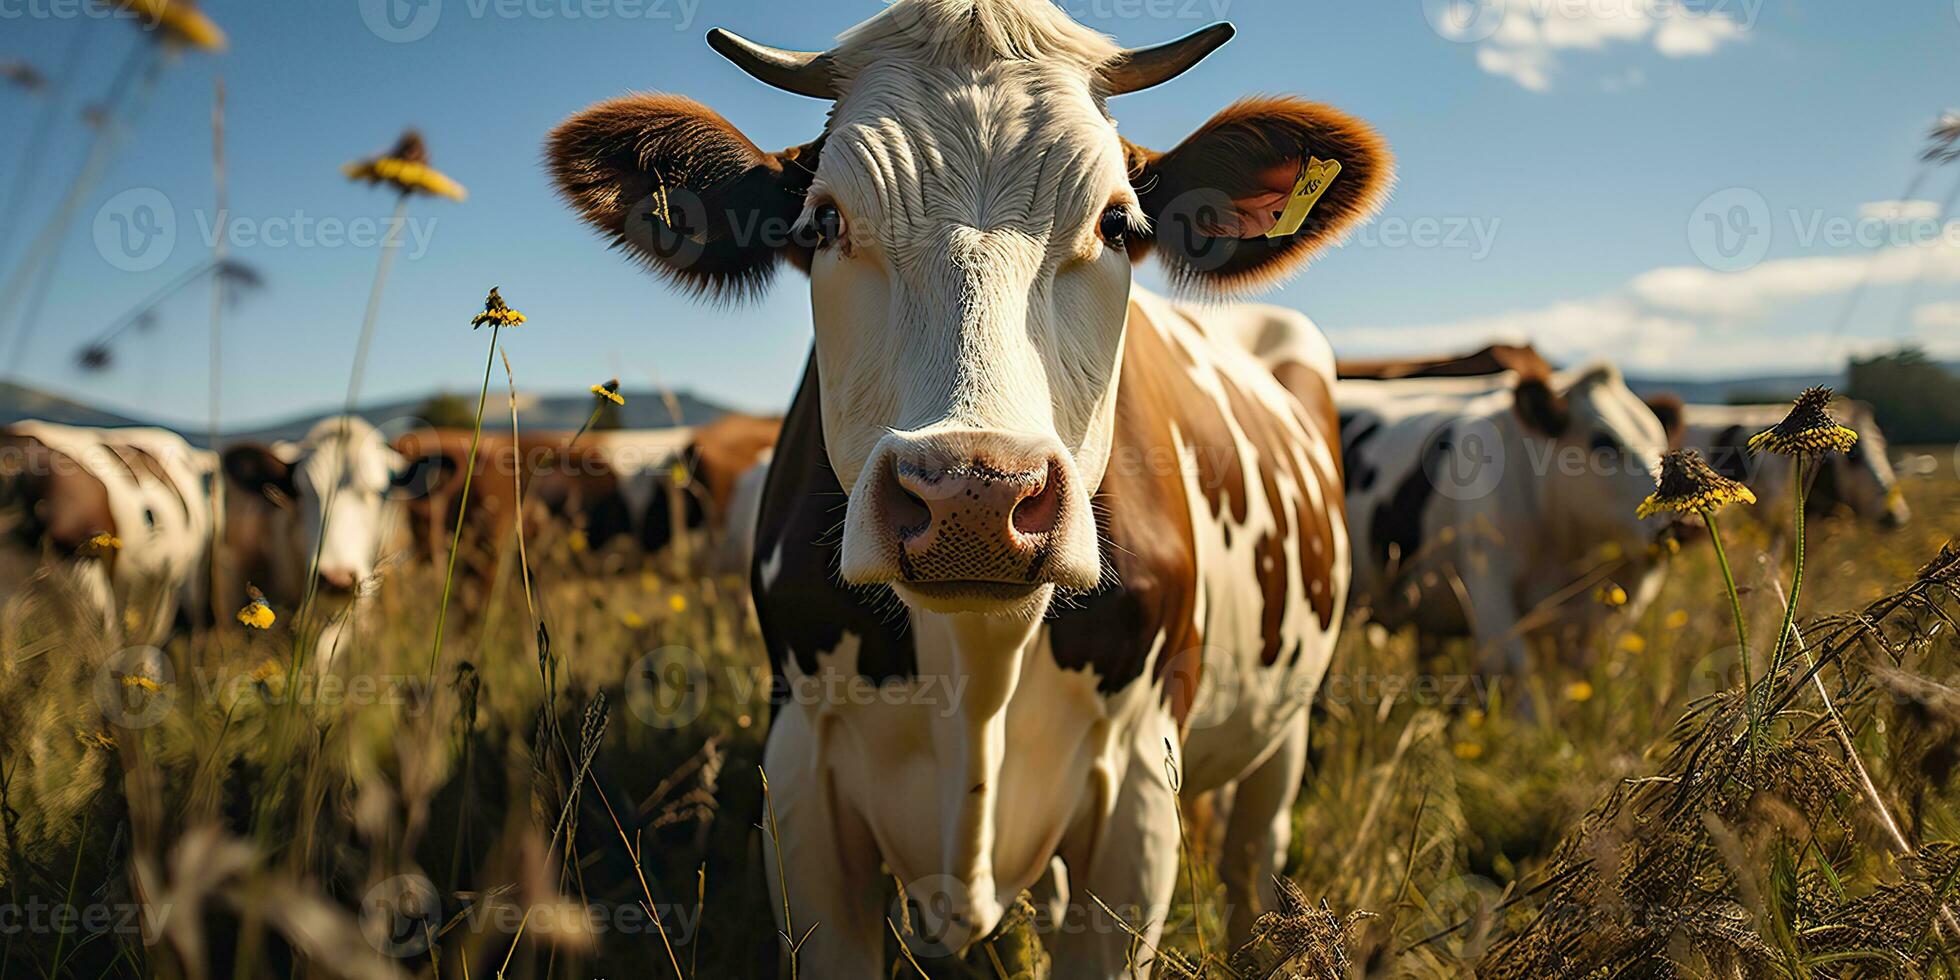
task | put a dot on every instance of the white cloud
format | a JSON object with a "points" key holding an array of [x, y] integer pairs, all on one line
{"points": [[1937, 316], [1692, 320], [1529, 36], [1900, 211]]}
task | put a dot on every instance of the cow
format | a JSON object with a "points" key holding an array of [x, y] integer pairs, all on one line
{"points": [[125, 516], [1860, 482], [708, 461], [1497, 512], [317, 519], [1493, 360], [566, 480], [1025, 516]]}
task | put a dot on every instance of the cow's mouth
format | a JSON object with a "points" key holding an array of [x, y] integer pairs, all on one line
{"points": [[973, 596]]}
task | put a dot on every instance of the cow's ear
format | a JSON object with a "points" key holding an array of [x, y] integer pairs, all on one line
{"points": [[680, 188], [1542, 410], [421, 476], [1672, 412], [256, 470], [1213, 200]]}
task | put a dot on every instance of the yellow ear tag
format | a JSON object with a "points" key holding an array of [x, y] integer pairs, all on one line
{"points": [[1315, 178]]}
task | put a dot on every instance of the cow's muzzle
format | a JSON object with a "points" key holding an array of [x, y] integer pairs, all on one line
{"points": [[970, 516]]}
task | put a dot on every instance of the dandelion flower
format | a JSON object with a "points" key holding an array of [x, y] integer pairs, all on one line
{"points": [[140, 683], [496, 313], [101, 545], [1808, 430], [1468, 751], [179, 21], [633, 620], [257, 613], [677, 602], [1633, 643], [406, 169], [609, 392], [1610, 595], [1678, 619], [1579, 691], [1688, 485]]}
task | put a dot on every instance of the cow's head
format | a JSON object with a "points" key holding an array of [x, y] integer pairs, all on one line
{"points": [[968, 219], [1860, 480], [1597, 448], [330, 495]]}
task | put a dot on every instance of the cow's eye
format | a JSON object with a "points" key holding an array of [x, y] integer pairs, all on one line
{"points": [[829, 223], [1115, 226]]}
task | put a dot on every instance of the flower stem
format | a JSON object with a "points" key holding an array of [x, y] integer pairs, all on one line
{"points": [[463, 506], [1741, 630], [1796, 586]]}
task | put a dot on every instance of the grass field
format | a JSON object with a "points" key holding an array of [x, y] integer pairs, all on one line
{"points": [[591, 808]]}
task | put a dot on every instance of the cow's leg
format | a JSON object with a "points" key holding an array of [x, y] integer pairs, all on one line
{"points": [[1133, 871], [1501, 649], [829, 864], [1259, 830]]}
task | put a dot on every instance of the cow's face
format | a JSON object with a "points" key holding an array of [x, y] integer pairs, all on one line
{"points": [[336, 493], [968, 221], [1861, 480], [1602, 445]]}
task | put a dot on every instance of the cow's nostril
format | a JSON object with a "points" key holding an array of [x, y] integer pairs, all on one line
{"points": [[1038, 512], [906, 512]]}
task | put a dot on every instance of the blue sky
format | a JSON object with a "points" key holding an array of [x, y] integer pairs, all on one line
{"points": [[1688, 186]]}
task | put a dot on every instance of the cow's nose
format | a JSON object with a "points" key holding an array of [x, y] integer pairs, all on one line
{"points": [[338, 579], [980, 521]]}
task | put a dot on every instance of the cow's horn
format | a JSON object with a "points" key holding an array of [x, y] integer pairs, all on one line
{"points": [[803, 72], [1142, 68]]}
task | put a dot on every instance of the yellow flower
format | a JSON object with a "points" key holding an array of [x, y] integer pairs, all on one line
{"points": [[406, 168], [1468, 751], [1633, 643], [1580, 691], [495, 313], [609, 392], [1677, 619], [179, 20], [1610, 595], [1808, 430], [95, 740], [141, 683], [633, 620], [578, 541], [677, 602], [1688, 485], [257, 613], [100, 545]]}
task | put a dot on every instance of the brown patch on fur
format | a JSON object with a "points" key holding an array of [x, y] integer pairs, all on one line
{"points": [[731, 204], [716, 458], [1225, 160], [574, 485], [64, 505], [1542, 410], [1495, 359]]}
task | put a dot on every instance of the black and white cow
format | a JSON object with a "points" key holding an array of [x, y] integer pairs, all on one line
{"points": [[1860, 482], [1474, 505]]}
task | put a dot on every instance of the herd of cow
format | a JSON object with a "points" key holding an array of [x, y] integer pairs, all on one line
{"points": [[1008, 472]]}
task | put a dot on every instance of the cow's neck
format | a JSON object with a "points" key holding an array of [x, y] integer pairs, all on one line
{"points": [[985, 655]]}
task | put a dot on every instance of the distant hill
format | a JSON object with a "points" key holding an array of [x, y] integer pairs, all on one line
{"points": [[641, 411], [1746, 389], [19, 402]]}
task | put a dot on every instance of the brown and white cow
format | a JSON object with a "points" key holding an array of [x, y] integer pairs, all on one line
{"points": [[1492, 360], [148, 495], [1024, 515], [709, 465], [569, 482]]}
